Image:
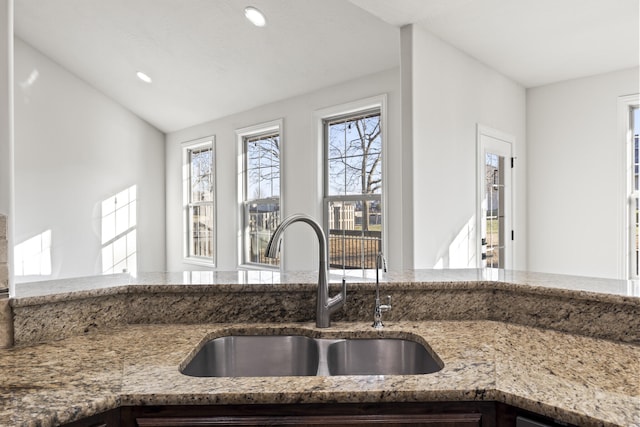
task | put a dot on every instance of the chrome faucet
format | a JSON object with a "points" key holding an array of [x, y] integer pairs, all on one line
{"points": [[380, 308], [325, 305]]}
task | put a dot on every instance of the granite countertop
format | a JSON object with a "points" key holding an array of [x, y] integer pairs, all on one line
{"points": [[576, 379], [617, 291]]}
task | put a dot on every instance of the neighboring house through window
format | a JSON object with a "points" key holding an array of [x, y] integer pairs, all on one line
{"points": [[199, 201], [353, 186], [259, 193]]}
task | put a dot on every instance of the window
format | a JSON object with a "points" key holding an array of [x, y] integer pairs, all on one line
{"points": [[199, 201], [633, 133], [260, 191], [353, 148]]}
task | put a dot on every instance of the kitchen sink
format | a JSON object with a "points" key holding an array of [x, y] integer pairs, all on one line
{"points": [[297, 355], [255, 356], [379, 357]]}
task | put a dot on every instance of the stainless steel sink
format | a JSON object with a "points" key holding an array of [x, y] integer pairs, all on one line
{"points": [[296, 355], [379, 357], [255, 356]]}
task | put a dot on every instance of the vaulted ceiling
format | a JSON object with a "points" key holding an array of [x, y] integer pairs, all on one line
{"points": [[207, 61]]}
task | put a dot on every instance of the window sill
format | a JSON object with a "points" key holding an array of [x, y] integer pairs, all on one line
{"points": [[199, 262]]}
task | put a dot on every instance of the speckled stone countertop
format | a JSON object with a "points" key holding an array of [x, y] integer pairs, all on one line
{"points": [[599, 308], [562, 346], [576, 379], [256, 281]]}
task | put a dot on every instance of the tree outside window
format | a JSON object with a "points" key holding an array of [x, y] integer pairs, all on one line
{"points": [[199, 190], [263, 195], [260, 189], [353, 189]]}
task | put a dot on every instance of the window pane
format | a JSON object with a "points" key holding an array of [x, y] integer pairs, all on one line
{"points": [[201, 231], [494, 233], [263, 167], [263, 220], [354, 156], [355, 233], [275, 183], [201, 162]]}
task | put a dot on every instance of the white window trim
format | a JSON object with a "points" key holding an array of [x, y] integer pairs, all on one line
{"points": [[270, 126], [186, 147], [319, 116], [625, 187]]}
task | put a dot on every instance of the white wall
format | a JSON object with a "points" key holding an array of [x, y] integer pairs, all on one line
{"points": [[74, 147], [300, 180], [6, 119], [575, 174], [451, 93]]}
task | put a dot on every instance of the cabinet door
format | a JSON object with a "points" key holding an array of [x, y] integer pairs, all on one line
{"points": [[427, 420], [105, 419]]}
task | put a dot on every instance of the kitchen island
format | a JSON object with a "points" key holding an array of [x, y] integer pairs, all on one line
{"points": [[578, 375]]}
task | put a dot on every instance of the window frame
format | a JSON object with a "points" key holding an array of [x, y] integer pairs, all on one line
{"points": [[242, 135], [187, 149], [628, 265], [345, 111]]}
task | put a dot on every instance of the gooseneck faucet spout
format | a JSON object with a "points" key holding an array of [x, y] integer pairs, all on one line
{"points": [[325, 305]]}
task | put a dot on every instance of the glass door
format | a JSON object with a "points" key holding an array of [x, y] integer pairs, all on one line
{"points": [[493, 211], [494, 178]]}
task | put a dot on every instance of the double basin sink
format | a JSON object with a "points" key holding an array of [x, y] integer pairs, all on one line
{"points": [[297, 355]]}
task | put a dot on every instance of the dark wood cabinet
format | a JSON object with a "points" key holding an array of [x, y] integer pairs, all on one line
{"points": [[450, 420], [106, 419], [462, 420], [442, 414], [428, 414]]}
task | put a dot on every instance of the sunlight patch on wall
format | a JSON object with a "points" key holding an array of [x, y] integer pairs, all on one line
{"points": [[33, 257], [30, 80], [119, 239], [461, 252]]}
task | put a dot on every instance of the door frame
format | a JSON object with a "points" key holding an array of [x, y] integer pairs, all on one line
{"points": [[507, 142]]}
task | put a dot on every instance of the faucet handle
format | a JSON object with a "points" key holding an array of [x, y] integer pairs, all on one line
{"points": [[387, 306], [343, 293]]}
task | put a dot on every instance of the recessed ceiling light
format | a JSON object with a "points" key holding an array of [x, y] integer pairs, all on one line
{"points": [[255, 16], [142, 76]]}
